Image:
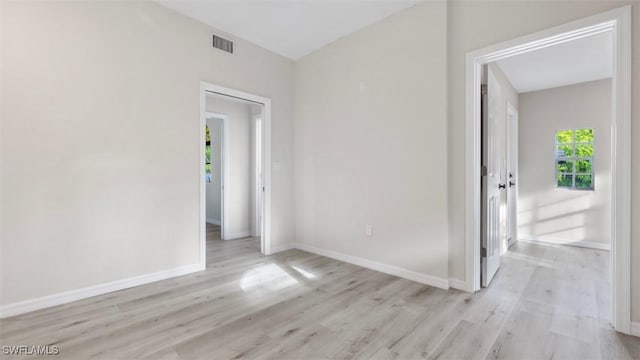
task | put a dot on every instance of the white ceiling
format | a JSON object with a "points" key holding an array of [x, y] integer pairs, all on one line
{"points": [[289, 28], [573, 62]]}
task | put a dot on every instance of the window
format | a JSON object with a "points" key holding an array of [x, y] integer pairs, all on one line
{"points": [[574, 159], [207, 156]]}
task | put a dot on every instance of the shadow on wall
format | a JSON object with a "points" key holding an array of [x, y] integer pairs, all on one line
{"points": [[565, 219], [567, 215]]}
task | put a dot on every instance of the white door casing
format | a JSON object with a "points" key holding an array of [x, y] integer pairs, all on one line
{"points": [[512, 174], [257, 226], [617, 21], [265, 144]]}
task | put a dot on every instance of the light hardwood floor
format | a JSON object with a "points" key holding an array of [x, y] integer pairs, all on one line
{"points": [[546, 302]]}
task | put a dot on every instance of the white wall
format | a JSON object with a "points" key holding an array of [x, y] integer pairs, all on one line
{"points": [[474, 25], [214, 188], [544, 210], [100, 151], [370, 143], [239, 180]]}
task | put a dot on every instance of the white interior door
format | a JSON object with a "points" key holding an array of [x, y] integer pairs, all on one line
{"points": [[512, 174], [490, 249]]}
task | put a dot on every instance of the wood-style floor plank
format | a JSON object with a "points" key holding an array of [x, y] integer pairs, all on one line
{"points": [[546, 302]]}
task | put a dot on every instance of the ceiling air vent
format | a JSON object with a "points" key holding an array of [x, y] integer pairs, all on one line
{"points": [[223, 44]]}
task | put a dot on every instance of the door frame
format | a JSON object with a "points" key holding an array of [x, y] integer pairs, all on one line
{"points": [[209, 88], [618, 21], [512, 113], [257, 169]]}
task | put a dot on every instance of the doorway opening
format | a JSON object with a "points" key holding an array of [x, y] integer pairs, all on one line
{"points": [[234, 186], [489, 219]]}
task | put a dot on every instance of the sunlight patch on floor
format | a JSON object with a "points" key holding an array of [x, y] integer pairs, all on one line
{"points": [[303, 272], [269, 277]]}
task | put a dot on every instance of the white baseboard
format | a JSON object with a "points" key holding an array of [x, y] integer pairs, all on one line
{"points": [[238, 235], [281, 248], [213, 221], [26, 306], [459, 284], [559, 241], [384, 268], [635, 328]]}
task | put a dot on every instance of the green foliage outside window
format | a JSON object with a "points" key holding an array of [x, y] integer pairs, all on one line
{"points": [[574, 159]]}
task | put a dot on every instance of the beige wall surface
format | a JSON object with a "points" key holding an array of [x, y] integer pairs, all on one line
{"points": [[475, 24], [370, 143], [100, 140], [545, 210]]}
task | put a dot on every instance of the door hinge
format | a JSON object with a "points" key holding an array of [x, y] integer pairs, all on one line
{"points": [[483, 171], [263, 189], [483, 252]]}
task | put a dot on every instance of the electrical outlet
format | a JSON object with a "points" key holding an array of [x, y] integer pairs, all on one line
{"points": [[369, 230]]}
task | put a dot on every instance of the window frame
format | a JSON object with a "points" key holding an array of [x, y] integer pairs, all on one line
{"points": [[574, 172]]}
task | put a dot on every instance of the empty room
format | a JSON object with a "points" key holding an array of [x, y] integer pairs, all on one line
{"points": [[542, 123], [388, 179]]}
